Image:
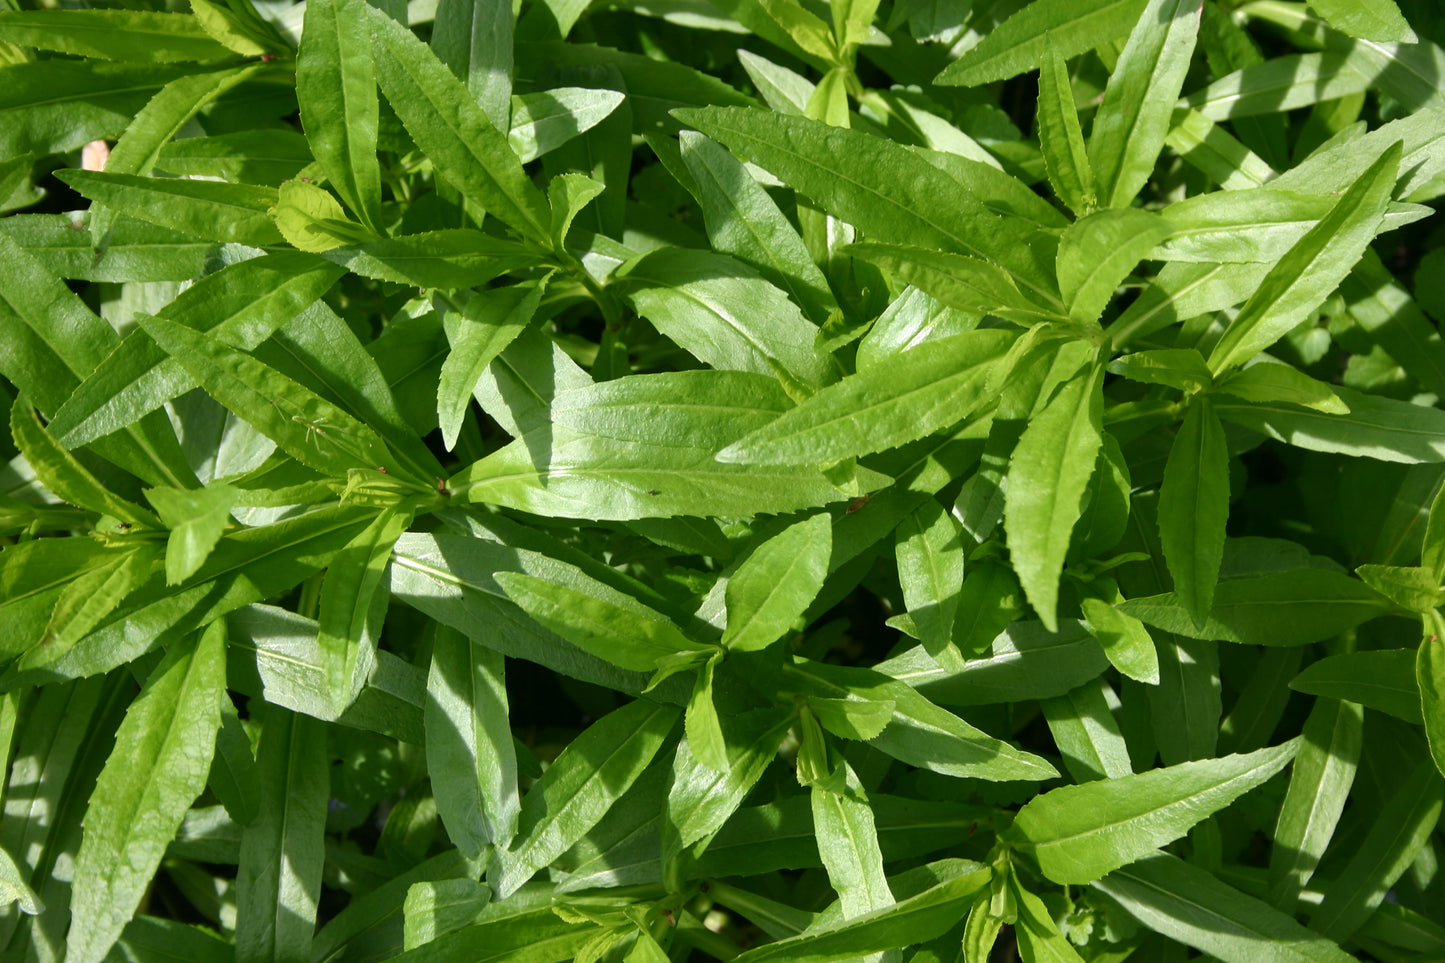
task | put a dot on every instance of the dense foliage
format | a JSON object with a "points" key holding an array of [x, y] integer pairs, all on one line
{"points": [[919, 480]]}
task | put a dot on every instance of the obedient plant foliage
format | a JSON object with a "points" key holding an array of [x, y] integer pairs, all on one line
{"points": [[745, 479]]}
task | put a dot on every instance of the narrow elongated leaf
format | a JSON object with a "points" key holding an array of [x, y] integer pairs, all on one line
{"points": [[702, 798], [157, 769], [1376, 427], [1187, 904], [967, 283], [848, 843], [470, 757], [1292, 607], [776, 583], [348, 591], [581, 785], [1383, 681], [449, 126], [235, 213], [544, 120], [693, 409], [1193, 508], [916, 919], [1396, 837], [1061, 140], [929, 549], [724, 313], [883, 189], [1080, 833], [1048, 473], [482, 331], [1038, 935], [1319, 783], [1430, 676], [1313, 267], [921, 391], [1134, 117], [136, 36], [282, 851], [1022, 42], [196, 519], [1098, 252], [336, 88], [474, 38], [1088, 736], [63, 474]]}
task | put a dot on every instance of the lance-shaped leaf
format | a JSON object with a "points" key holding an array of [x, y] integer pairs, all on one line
{"points": [[922, 390], [701, 723], [1430, 677], [196, 518], [777, 583], [1125, 641], [848, 844], [60, 472], [157, 769], [478, 334], [743, 220], [451, 129], [1038, 935], [882, 188], [913, 920], [723, 312], [1319, 784], [134, 36], [469, 751], [475, 40], [1079, 833], [242, 304], [303, 424], [1135, 116], [1382, 680], [1084, 728], [283, 850], [967, 283], [336, 89], [1098, 252], [459, 258], [1193, 507], [349, 592], [1187, 904], [1318, 262], [1061, 140], [1022, 41], [15, 889], [1367, 19], [599, 619], [929, 548], [235, 213], [1399, 831], [544, 120], [1292, 607], [581, 785], [1048, 474], [1383, 428]]}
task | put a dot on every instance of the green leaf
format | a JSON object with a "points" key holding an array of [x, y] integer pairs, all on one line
{"points": [[475, 40], [470, 756], [1038, 935], [776, 583], [1366, 19], [88, 600], [922, 390], [310, 219], [1193, 508], [1413, 589], [599, 619], [336, 88], [196, 518], [544, 120], [1134, 117], [478, 334], [1023, 41], [1181, 368], [1061, 139], [1292, 607], [450, 127], [1048, 474], [1376, 427], [929, 549], [1083, 726], [233, 777], [60, 471], [1187, 904], [242, 304], [882, 188], [304, 425], [1267, 381], [1381, 680], [14, 888], [1080, 833], [913, 920], [581, 785], [1098, 252], [436, 259], [967, 283], [282, 851], [249, 156], [704, 730], [724, 313], [1311, 269], [157, 769], [1125, 641], [1319, 783], [236, 213], [1430, 677], [848, 844], [136, 36], [351, 587], [1400, 829]]}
